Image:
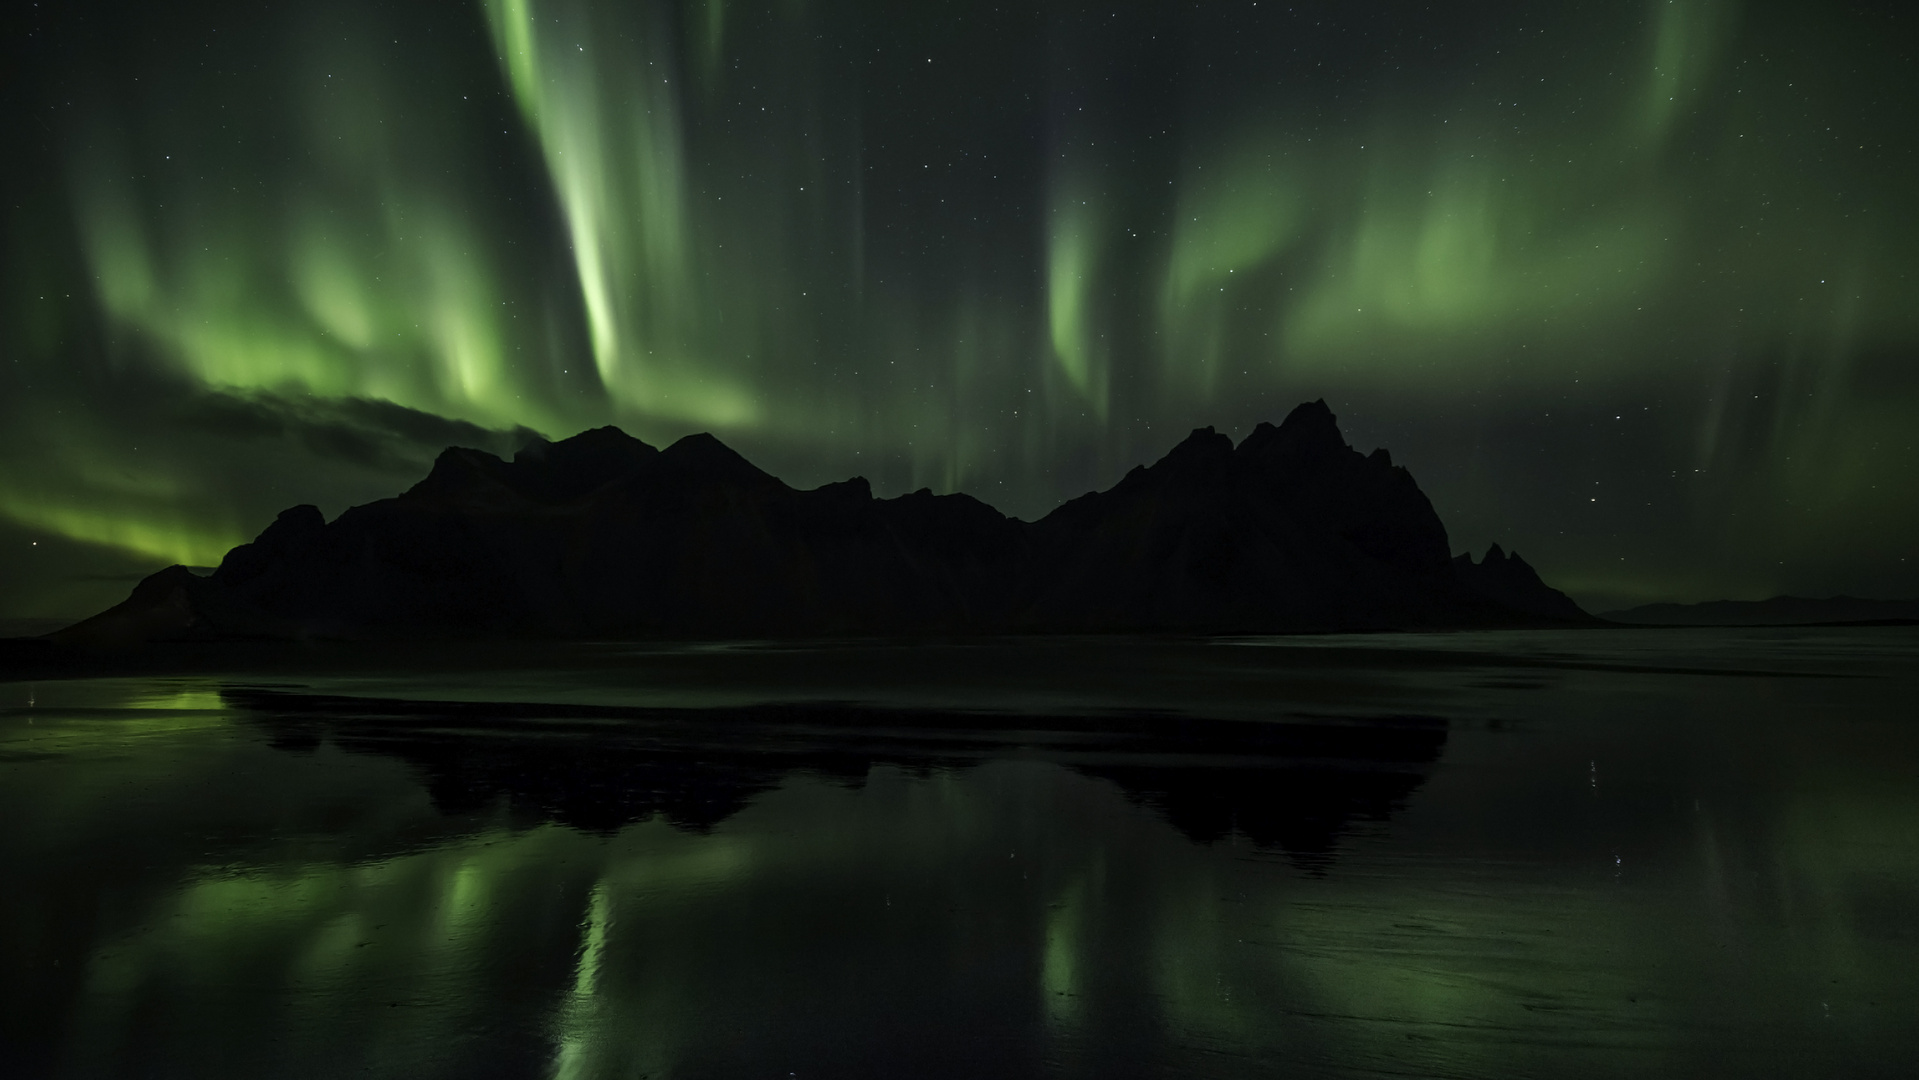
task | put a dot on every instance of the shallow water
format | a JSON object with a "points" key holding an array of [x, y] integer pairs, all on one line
{"points": [[1577, 854]]}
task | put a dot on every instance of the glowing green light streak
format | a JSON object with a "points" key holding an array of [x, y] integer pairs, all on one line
{"points": [[1688, 35], [1074, 255], [1462, 252], [370, 278], [1059, 977], [1233, 217], [581, 1016], [142, 511], [602, 103]]}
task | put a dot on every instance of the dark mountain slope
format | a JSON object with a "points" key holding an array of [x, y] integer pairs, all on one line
{"points": [[603, 535], [1292, 528], [1512, 582], [615, 537]]}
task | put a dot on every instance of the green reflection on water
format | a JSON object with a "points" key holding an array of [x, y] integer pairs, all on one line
{"points": [[579, 1016], [1661, 873], [1059, 969]]}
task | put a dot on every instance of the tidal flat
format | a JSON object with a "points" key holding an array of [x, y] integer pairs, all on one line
{"points": [[1587, 853]]}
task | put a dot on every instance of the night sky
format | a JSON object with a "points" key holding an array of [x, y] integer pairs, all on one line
{"points": [[1629, 286]]}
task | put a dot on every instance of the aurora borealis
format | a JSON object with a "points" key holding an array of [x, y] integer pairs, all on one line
{"points": [[1628, 286]]}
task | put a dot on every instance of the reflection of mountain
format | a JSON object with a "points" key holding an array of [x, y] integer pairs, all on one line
{"points": [[1298, 805], [1294, 785]]}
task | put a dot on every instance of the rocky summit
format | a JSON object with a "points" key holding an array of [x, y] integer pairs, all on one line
{"points": [[602, 535]]}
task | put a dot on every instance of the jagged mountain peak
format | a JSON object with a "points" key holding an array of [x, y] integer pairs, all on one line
{"points": [[1310, 432], [1203, 444], [1509, 580], [540, 472], [602, 534]]}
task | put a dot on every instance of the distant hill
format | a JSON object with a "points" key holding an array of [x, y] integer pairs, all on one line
{"points": [[1778, 611], [603, 535]]}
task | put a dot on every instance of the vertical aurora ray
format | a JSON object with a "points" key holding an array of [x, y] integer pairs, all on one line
{"points": [[600, 91], [1074, 259], [1240, 215]]}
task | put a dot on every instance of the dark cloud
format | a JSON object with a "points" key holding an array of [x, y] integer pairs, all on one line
{"points": [[370, 434]]}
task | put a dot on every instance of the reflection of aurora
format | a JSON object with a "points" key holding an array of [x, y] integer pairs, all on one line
{"points": [[1678, 871], [799, 229], [408, 955]]}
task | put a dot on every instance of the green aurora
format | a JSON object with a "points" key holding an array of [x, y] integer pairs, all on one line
{"points": [[1629, 287]]}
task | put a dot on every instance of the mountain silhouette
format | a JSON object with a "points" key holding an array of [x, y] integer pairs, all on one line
{"points": [[603, 535], [1777, 611], [1511, 581]]}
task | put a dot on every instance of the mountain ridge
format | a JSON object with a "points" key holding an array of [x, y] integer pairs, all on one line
{"points": [[1773, 611], [604, 535]]}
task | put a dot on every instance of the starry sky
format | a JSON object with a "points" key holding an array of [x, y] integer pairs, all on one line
{"points": [[1629, 286]]}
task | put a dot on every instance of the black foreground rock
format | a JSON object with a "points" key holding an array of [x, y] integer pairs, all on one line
{"points": [[602, 535]]}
